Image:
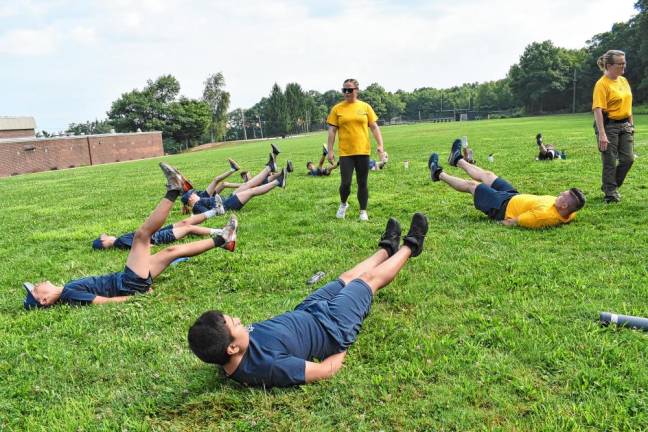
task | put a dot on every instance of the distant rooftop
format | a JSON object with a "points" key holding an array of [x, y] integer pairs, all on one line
{"points": [[17, 123]]}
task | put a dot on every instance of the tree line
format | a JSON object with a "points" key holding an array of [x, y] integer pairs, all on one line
{"points": [[546, 79]]}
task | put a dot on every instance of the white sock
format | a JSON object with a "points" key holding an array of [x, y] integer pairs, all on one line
{"points": [[210, 213], [216, 231]]}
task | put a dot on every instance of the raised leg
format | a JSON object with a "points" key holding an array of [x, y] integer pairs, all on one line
{"points": [[477, 173], [211, 189], [247, 194], [254, 181], [183, 231], [459, 184], [374, 260], [381, 275], [161, 260]]}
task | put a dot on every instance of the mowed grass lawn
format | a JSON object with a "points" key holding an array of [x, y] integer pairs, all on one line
{"points": [[490, 328]]}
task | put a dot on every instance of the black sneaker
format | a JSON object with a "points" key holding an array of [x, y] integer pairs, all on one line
{"points": [[282, 178], [455, 153], [289, 166], [390, 240], [539, 138], [612, 199], [416, 235], [324, 150], [233, 165], [275, 150], [435, 168], [174, 179], [272, 163]]}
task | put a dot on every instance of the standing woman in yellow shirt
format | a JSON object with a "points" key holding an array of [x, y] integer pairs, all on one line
{"points": [[353, 119], [612, 106]]}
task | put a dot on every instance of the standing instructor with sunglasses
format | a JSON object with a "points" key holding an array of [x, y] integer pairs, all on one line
{"points": [[353, 118], [613, 123]]}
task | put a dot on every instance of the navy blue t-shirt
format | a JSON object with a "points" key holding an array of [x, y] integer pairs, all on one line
{"points": [[279, 348], [82, 292], [204, 204], [125, 241]]}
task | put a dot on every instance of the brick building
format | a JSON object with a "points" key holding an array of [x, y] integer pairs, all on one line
{"points": [[28, 154], [17, 127]]}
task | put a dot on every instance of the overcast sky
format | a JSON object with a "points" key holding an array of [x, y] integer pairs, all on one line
{"points": [[65, 61]]}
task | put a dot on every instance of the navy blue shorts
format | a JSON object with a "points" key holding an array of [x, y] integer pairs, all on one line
{"points": [[132, 282], [163, 236], [494, 199], [340, 309], [232, 203]]}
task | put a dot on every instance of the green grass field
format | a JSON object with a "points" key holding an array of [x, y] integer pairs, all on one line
{"points": [[490, 328]]}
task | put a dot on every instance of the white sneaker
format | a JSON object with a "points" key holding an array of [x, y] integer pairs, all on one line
{"points": [[364, 216], [342, 211]]}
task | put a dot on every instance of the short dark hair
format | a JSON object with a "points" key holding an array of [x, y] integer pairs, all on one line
{"points": [[578, 199], [308, 163], [209, 338]]}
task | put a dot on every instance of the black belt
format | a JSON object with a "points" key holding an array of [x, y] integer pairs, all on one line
{"points": [[625, 120]]}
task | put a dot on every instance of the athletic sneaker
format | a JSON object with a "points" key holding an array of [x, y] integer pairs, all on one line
{"points": [[275, 150], [233, 165], [272, 163], [174, 180], [245, 176], [324, 150], [455, 153], [435, 168], [341, 213], [612, 199], [282, 178], [315, 278], [218, 205], [364, 216], [289, 166], [228, 234], [390, 240], [416, 235], [468, 155]]}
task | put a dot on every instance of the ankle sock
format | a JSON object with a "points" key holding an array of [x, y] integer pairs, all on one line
{"points": [[210, 213], [172, 195], [218, 241]]}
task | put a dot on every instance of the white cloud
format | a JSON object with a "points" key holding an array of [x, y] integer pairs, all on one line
{"points": [[405, 44]]}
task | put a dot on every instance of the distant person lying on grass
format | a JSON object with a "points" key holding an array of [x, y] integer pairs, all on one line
{"points": [[498, 199], [165, 235], [281, 351], [375, 165], [321, 170], [547, 151], [203, 201], [141, 267]]}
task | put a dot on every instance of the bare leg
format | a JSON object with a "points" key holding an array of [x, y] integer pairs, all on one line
{"points": [[381, 275], [459, 184], [255, 181], [247, 194], [191, 220], [273, 177], [161, 260], [479, 174], [374, 260], [321, 162], [183, 231], [139, 256], [219, 178]]}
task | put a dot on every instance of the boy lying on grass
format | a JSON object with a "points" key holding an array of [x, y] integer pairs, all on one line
{"points": [[321, 170], [141, 267], [203, 201], [280, 351], [165, 235], [499, 200]]}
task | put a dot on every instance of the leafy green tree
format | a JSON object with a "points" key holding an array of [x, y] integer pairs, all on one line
{"points": [[90, 128], [331, 97], [276, 113], [218, 101], [188, 119], [296, 107]]}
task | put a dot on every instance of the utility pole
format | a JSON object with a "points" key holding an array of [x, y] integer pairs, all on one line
{"points": [[574, 93], [260, 126], [243, 122]]}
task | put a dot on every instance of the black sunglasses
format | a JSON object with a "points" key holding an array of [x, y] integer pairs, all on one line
{"points": [[349, 89]]}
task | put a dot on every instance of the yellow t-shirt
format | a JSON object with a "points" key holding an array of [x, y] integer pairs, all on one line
{"points": [[535, 211], [352, 121], [613, 96]]}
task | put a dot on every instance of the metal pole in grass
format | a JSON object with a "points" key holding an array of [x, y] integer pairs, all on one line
{"points": [[624, 320]]}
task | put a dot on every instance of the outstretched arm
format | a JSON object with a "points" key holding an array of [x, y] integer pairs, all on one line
{"points": [[326, 369], [104, 300]]}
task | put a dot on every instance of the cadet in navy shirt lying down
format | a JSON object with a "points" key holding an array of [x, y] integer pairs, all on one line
{"points": [[280, 351], [141, 267]]}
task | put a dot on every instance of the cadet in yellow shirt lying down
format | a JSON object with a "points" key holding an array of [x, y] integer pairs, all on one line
{"points": [[499, 200]]}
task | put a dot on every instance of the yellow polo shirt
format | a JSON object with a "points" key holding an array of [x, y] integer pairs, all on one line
{"points": [[535, 211], [352, 121], [613, 96]]}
